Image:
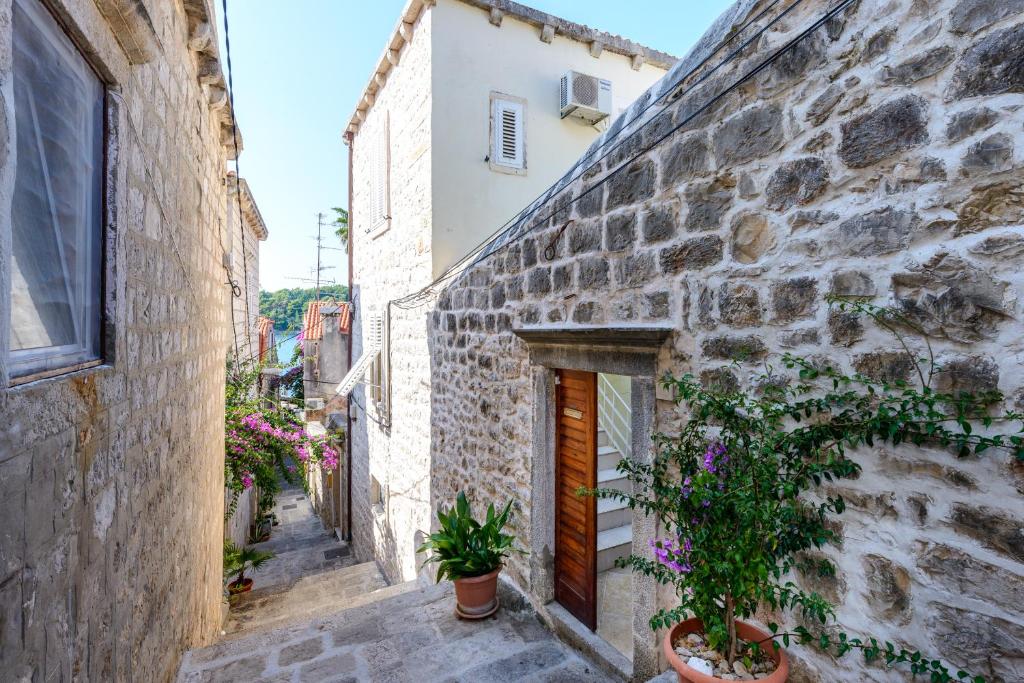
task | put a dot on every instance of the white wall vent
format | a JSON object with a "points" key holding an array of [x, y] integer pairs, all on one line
{"points": [[508, 133], [585, 97]]}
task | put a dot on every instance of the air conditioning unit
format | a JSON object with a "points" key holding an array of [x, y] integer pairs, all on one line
{"points": [[585, 97]]}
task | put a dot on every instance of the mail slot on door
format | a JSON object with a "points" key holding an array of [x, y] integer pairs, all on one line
{"points": [[573, 413]]}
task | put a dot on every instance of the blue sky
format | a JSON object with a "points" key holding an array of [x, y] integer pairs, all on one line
{"points": [[299, 68]]}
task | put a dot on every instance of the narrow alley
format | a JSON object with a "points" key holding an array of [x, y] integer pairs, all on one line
{"points": [[318, 615], [442, 341]]}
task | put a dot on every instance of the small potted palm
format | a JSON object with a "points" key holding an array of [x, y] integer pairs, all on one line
{"points": [[470, 554], [239, 560]]}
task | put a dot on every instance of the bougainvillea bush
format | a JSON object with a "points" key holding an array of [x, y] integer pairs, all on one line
{"points": [[737, 492], [265, 443]]}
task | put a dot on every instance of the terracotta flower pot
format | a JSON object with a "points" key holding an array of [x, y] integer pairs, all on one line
{"points": [[744, 630], [477, 595], [234, 588]]}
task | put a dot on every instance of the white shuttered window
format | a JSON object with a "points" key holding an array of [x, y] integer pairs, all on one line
{"points": [[508, 133], [56, 214]]}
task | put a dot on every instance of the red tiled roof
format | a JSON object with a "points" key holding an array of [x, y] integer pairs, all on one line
{"points": [[265, 330], [313, 321], [345, 318]]}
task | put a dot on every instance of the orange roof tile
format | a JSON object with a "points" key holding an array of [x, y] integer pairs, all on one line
{"points": [[265, 330], [313, 320]]}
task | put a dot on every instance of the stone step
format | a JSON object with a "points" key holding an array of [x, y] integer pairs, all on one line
{"points": [[313, 594], [607, 457], [612, 544], [609, 478], [602, 437], [612, 513]]}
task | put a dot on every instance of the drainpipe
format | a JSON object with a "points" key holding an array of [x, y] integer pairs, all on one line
{"points": [[348, 137]]}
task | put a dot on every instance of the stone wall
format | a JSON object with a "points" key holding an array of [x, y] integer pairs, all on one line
{"points": [[881, 157], [394, 449], [111, 478], [244, 247], [238, 525]]}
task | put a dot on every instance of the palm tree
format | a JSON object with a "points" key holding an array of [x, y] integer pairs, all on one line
{"points": [[238, 560], [340, 224]]}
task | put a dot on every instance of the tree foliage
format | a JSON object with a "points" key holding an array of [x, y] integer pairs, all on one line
{"points": [[340, 224], [739, 491], [287, 306]]}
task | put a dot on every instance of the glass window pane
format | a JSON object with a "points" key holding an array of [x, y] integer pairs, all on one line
{"points": [[57, 204]]}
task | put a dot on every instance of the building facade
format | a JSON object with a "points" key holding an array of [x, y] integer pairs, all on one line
{"points": [[246, 229], [459, 128], [114, 327], [870, 149]]}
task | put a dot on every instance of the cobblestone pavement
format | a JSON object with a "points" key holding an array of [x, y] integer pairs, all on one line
{"points": [[403, 633], [320, 618]]}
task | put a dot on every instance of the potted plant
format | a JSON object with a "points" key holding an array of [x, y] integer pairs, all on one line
{"points": [[470, 554], [729, 491], [239, 560]]}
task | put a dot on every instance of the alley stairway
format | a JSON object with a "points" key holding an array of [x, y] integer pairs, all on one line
{"points": [[319, 616], [311, 572]]}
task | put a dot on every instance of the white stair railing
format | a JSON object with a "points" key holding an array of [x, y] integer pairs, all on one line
{"points": [[614, 415]]}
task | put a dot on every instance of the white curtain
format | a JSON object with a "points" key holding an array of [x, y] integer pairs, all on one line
{"points": [[57, 205]]}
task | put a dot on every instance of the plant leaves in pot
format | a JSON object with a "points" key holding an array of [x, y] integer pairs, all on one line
{"points": [[239, 560], [470, 553]]}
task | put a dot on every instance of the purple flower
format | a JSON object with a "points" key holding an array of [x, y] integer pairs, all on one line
{"points": [[247, 480], [675, 558]]}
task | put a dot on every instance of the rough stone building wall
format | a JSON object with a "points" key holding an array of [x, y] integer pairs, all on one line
{"points": [[111, 479], [882, 157], [245, 270], [387, 266]]}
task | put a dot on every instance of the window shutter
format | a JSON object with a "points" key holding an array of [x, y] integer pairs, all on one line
{"points": [[380, 191], [509, 140]]}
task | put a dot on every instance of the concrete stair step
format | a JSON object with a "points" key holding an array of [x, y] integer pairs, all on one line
{"points": [[612, 513], [609, 478], [612, 544], [319, 593], [602, 437], [607, 457]]}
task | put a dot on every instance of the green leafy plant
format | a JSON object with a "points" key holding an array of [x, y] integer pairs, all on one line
{"points": [[730, 489], [340, 224], [463, 547], [237, 561], [286, 307]]}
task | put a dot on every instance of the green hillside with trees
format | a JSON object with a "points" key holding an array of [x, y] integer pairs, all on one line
{"points": [[286, 306]]}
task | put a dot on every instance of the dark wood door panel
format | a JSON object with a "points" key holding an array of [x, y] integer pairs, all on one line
{"points": [[575, 516]]}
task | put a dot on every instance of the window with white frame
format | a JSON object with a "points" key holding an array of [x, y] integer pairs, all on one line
{"points": [[56, 297], [508, 134], [380, 179]]}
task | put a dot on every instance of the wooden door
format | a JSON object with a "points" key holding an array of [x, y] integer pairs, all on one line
{"points": [[576, 516]]}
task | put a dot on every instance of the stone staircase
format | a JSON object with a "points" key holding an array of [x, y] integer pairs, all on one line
{"points": [[349, 585], [404, 633], [614, 518]]}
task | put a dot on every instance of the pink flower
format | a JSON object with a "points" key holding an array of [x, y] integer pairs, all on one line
{"points": [[247, 480]]}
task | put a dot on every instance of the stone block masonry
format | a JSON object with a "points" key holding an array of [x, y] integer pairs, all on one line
{"points": [[880, 158], [111, 478]]}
